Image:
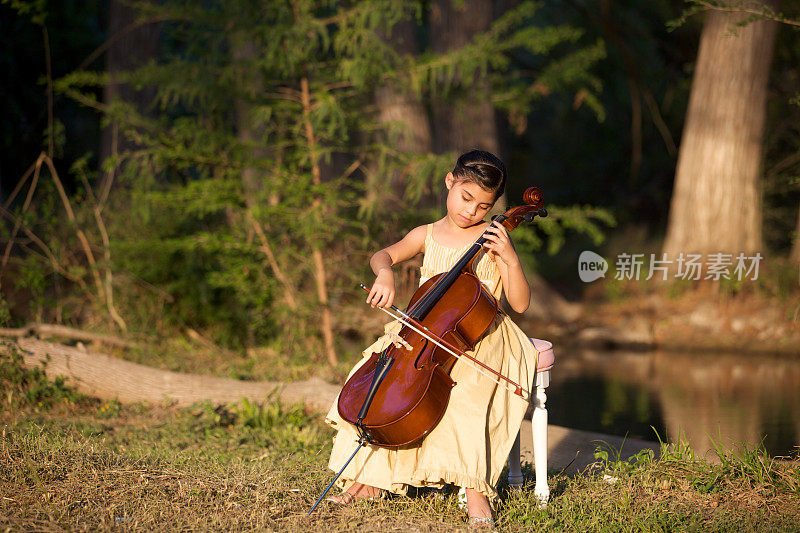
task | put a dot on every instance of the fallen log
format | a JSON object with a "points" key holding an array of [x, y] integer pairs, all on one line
{"points": [[109, 378]]}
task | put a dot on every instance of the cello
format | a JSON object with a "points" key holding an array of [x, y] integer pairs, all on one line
{"points": [[399, 395]]}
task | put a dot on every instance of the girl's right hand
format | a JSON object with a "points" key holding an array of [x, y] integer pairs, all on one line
{"points": [[382, 291]]}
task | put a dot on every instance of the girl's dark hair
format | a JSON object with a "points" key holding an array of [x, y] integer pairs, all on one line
{"points": [[482, 168]]}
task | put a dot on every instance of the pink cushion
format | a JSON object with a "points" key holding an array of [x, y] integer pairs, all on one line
{"points": [[546, 355]]}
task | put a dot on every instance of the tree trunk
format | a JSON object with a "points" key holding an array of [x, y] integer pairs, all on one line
{"points": [[467, 120], [244, 53], [132, 49], [403, 114], [716, 197]]}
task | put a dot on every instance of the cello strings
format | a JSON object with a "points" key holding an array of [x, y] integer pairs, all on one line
{"points": [[403, 321], [433, 291]]}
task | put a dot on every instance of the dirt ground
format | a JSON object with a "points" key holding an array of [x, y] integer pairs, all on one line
{"points": [[700, 319]]}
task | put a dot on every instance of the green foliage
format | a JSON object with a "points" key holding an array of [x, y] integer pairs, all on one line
{"points": [[749, 12], [185, 245], [516, 88], [752, 464], [109, 409], [580, 219], [48, 227], [33, 278], [245, 124], [274, 425], [24, 387], [260, 147], [36, 10], [266, 416], [609, 459], [5, 312]]}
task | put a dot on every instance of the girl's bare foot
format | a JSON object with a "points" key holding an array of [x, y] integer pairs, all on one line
{"points": [[357, 491], [480, 513]]}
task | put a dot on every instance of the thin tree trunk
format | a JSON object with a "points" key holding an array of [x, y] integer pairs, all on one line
{"points": [[288, 288], [716, 204], [87, 248], [794, 256], [320, 275]]}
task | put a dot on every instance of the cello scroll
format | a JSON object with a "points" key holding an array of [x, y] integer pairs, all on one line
{"points": [[533, 206]]}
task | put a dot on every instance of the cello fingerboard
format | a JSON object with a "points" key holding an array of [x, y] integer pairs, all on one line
{"points": [[426, 303]]}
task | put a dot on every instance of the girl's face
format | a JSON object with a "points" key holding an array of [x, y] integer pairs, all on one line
{"points": [[467, 202]]}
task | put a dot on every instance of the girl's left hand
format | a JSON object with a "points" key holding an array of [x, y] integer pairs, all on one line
{"points": [[499, 244]]}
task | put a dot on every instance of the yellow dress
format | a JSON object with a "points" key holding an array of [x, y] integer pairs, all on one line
{"points": [[471, 443]]}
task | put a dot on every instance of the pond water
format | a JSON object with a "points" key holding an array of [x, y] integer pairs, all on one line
{"points": [[703, 398]]}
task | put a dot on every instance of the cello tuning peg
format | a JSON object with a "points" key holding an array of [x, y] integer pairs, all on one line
{"points": [[542, 212], [528, 217]]}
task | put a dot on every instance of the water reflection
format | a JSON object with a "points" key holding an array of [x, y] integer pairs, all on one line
{"points": [[731, 399]]}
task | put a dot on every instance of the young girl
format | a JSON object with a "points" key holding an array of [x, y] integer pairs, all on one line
{"points": [[469, 446]]}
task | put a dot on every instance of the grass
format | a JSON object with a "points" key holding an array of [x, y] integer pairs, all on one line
{"points": [[69, 462]]}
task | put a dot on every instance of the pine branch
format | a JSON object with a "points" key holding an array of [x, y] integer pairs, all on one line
{"points": [[766, 12]]}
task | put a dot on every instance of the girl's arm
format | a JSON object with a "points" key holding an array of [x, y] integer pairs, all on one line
{"points": [[383, 291], [515, 285]]}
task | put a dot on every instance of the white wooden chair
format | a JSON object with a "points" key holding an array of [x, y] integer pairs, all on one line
{"points": [[538, 427]]}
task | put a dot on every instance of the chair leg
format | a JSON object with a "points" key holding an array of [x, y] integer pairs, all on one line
{"points": [[514, 467], [539, 428]]}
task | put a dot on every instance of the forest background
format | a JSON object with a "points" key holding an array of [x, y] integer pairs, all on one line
{"points": [[216, 175]]}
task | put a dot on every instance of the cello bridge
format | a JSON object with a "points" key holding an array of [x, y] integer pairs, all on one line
{"points": [[398, 341]]}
